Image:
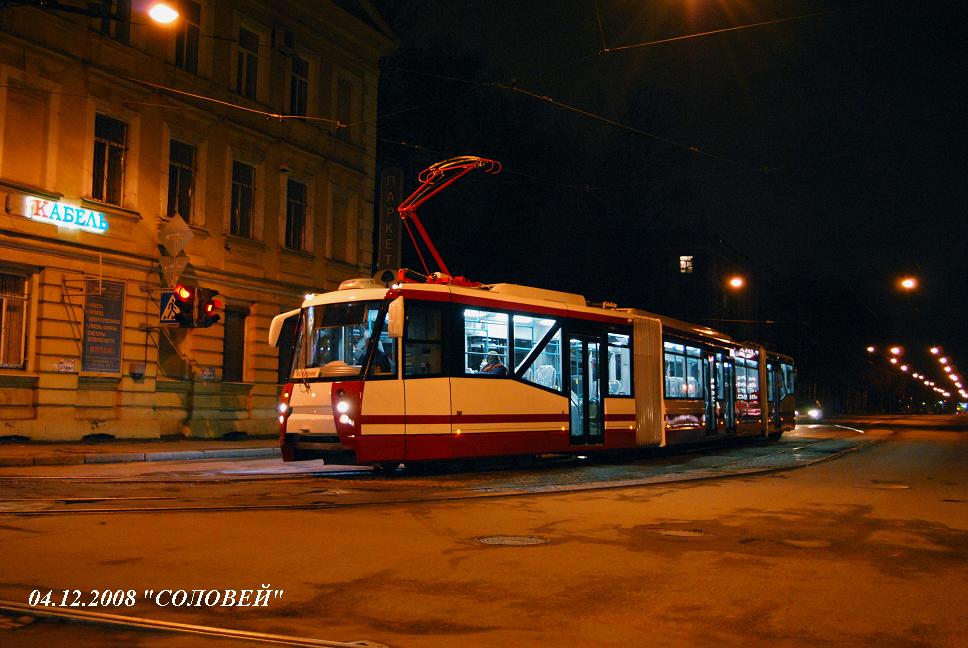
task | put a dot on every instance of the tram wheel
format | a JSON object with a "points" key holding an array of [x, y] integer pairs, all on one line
{"points": [[389, 467]]}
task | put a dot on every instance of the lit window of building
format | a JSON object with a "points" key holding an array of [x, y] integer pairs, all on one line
{"points": [[295, 215], [186, 38], [110, 136], [243, 200], [181, 179], [685, 264], [247, 64]]}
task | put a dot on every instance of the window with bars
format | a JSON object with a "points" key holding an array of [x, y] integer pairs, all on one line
{"points": [[295, 215], [110, 138], [13, 325], [243, 199], [685, 264], [247, 64], [187, 36], [299, 86], [181, 179]]}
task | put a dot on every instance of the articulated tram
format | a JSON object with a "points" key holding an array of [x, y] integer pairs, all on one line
{"points": [[417, 372]]}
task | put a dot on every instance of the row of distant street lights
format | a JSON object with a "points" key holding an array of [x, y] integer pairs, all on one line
{"points": [[944, 363]]}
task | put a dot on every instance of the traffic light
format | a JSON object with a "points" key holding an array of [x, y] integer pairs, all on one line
{"points": [[208, 304], [185, 300]]}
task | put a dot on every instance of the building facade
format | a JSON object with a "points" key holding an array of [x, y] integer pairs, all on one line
{"points": [[254, 124]]}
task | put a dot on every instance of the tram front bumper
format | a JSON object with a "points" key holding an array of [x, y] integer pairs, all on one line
{"points": [[304, 447]]}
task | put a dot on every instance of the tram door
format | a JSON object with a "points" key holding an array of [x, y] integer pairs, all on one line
{"points": [[711, 383], [587, 413], [725, 372]]}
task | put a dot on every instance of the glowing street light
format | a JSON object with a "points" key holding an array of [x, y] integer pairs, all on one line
{"points": [[908, 283], [896, 350], [943, 360], [893, 360], [163, 13], [904, 367], [934, 350], [947, 369], [736, 282], [871, 349]]}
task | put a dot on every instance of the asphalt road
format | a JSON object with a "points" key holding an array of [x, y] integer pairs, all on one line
{"points": [[869, 548]]}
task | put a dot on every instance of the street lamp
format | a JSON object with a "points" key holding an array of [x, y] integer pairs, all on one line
{"points": [[908, 283], [163, 13], [896, 350], [871, 349], [736, 282], [934, 350]]}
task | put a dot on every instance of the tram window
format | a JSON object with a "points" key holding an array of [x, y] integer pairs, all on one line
{"points": [[545, 369], [747, 380], [485, 335], [384, 362], [619, 365], [787, 380], [770, 382], [683, 371], [422, 351], [528, 332]]}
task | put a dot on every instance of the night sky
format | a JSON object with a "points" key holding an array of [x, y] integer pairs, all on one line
{"points": [[830, 147]]}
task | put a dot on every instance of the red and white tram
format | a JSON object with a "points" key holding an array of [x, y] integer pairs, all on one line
{"points": [[445, 368], [407, 374]]}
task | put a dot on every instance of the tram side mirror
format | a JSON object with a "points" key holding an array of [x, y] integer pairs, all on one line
{"points": [[395, 318]]}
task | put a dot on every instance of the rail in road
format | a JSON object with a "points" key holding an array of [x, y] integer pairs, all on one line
{"points": [[249, 490]]}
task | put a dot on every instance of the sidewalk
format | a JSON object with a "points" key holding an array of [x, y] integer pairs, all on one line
{"points": [[132, 450]]}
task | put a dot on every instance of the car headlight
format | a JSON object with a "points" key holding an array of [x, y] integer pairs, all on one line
{"points": [[815, 413]]}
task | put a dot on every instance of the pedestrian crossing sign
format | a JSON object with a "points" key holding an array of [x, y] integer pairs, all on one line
{"points": [[168, 308]]}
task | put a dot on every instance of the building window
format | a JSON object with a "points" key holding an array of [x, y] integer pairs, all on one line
{"points": [[186, 38], [685, 264], [13, 310], [247, 64], [181, 179], [117, 24], [243, 199], [344, 107], [344, 226], [233, 345], [295, 215], [110, 136], [299, 86]]}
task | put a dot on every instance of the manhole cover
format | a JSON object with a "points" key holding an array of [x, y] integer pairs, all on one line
{"points": [[807, 544], [512, 541], [680, 533]]}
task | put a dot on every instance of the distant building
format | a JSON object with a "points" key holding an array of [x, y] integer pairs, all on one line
{"points": [[689, 278], [111, 128]]}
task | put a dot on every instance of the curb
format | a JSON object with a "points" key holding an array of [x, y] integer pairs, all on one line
{"points": [[132, 457]]}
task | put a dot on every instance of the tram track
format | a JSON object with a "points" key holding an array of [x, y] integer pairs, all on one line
{"points": [[801, 454], [141, 623]]}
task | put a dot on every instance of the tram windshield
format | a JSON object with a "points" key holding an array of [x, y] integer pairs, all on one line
{"points": [[336, 339]]}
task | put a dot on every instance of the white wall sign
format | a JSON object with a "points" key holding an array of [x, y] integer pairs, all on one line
{"points": [[64, 215]]}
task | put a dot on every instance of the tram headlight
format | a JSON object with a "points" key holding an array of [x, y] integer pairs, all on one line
{"points": [[283, 408], [342, 407]]}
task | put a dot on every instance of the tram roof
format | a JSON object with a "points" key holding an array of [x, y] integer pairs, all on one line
{"points": [[523, 296]]}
